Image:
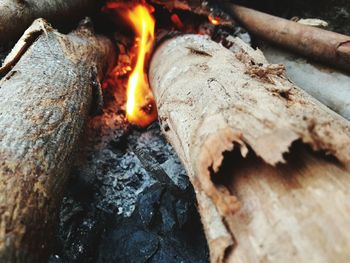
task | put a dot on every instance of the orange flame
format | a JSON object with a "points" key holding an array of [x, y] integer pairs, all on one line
{"points": [[214, 20], [140, 106]]}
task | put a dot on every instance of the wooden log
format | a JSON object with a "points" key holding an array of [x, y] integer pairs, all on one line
{"points": [[329, 86], [17, 15], [44, 102], [318, 44], [211, 102]]}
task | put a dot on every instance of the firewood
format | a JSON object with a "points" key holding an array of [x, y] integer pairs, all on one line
{"points": [[329, 86], [212, 101], [17, 15], [318, 44], [44, 102]]}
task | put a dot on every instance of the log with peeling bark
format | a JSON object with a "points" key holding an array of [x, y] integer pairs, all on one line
{"points": [[44, 102], [318, 44], [17, 15], [269, 163]]}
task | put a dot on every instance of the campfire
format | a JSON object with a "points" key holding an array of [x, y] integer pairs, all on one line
{"points": [[140, 107], [154, 131]]}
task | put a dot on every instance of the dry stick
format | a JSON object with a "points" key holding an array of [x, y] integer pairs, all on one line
{"points": [[17, 15], [211, 101], [315, 43], [44, 102]]}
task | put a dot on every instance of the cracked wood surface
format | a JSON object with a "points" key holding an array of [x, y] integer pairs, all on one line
{"points": [[212, 101], [44, 102]]}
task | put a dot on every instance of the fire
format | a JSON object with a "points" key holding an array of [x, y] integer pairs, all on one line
{"points": [[214, 20], [140, 105], [140, 108], [177, 21]]}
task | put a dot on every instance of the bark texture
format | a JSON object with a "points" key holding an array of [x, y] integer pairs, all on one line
{"points": [[44, 101], [17, 15], [212, 101], [315, 43]]}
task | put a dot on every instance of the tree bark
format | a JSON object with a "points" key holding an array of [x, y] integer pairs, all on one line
{"points": [[17, 15], [44, 102], [211, 102]]}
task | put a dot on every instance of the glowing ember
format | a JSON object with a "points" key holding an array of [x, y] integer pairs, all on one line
{"points": [[214, 20], [177, 22]]}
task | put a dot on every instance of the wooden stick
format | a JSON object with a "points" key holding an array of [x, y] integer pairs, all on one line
{"points": [[212, 101], [17, 15], [315, 43], [44, 102]]}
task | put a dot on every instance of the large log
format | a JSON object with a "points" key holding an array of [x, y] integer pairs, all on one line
{"points": [[211, 102], [17, 15], [44, 102]]}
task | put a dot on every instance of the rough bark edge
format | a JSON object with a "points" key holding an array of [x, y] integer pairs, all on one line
{"points": [[211, 158], [226, 139], [27, 39], [220, 240], [211, 155]]}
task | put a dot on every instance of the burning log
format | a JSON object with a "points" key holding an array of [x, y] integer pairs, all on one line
{"points": [[204, 8], [318, 44], [44, 102], [16, 16], [217, 108]]}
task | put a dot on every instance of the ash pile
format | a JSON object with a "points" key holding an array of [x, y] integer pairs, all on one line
{"points": [[131, 201]]}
